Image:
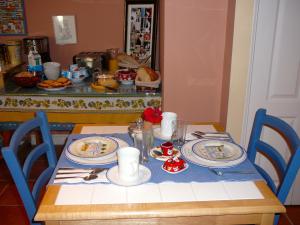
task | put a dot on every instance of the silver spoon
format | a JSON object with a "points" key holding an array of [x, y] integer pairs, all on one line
{"points": [[71, 170], [221, 173]]}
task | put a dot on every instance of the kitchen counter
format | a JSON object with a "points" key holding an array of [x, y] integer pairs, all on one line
{"points": [[76, 104]]}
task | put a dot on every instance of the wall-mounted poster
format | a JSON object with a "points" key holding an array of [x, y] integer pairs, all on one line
{"points": [[12, 17], [64, 30], [140, 30]]}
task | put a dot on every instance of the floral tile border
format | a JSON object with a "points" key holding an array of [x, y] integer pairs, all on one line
{"points": [[78, 104]]}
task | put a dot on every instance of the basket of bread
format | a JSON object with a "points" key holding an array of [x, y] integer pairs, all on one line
{"points": [[147, 78]]}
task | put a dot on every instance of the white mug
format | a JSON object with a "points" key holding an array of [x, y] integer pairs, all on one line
{"points": [[128, 163], [52, 70], [167, 124]]}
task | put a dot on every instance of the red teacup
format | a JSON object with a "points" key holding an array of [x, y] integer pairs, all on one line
{"points": [[174, 165], [167, 148]]}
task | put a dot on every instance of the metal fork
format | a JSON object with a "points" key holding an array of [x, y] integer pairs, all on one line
{"points": [[221, 173]]}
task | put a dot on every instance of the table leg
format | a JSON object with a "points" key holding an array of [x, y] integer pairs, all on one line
{"points": [[267, 219]]}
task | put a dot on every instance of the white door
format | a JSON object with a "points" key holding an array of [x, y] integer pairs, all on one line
{"points": [[275, 72]]}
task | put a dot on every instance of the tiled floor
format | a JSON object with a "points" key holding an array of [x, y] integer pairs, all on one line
{"points": [[13, 213]]}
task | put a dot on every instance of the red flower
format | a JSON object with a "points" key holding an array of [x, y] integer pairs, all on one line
{"points": [[153, 115]]}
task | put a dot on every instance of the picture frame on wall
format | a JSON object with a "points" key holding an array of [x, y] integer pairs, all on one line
{"points": [[12, 18], [64, 29], [141, 30]]}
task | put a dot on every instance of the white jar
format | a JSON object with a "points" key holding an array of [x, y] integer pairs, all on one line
{"points": [[167, 124]]}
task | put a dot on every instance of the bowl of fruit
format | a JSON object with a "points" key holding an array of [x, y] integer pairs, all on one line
{"points": [[26, 79]]}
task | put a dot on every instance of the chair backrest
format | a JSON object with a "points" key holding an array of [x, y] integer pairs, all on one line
{"points": [[286, 170], [21, 173]]}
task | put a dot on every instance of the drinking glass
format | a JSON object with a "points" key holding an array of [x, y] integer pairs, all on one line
{"points": [[179, 132], [143, 140]]}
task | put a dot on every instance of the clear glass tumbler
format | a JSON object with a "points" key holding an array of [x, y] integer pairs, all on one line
{"points": [[179, 132], [143, 140]]}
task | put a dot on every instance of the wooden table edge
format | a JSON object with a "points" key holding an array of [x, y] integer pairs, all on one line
{"points": [[49, 211], [78, 127]]}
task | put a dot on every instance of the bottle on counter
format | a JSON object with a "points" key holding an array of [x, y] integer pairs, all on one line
{"points": [[34, 58], [113, 62]]}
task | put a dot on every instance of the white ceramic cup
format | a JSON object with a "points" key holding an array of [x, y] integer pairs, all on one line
{"points": [[167, 124], [128, 164], [52, 70]]}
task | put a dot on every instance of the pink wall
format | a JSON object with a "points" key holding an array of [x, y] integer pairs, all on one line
{"points": [[99, 25], [192, 58], [195, 51]]}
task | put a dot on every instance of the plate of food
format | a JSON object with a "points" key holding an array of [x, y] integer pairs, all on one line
{"points": [[93, 147], [218, 150], [54, 85]]}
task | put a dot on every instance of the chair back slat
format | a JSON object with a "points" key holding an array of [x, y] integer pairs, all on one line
{"points": [[287, 171], [21, 173], [41, 182], [34, 154], [19, 179], [267, 178], [274, 155], [21, 132], [289, 177], [284, 129]]}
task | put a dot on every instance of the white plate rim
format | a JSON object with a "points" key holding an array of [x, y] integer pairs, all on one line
{"points": [[101, 161], [121, 183], [52, 89], [219, 141], [78, 140], [186, 148]]}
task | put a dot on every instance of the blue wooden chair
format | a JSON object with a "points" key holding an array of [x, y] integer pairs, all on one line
{"points": [[20, 173], [286, 171]]}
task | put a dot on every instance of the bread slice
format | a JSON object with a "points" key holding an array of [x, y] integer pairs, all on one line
{"points": [[125, 60], [146, 74]]}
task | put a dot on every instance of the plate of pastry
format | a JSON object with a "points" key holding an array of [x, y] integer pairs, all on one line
{"points": [[54, 85]]}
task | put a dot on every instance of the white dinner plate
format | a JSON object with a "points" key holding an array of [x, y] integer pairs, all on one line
{"points": [[93, 147], [190, 156], [52, 88], [113, 176], [217, 150], [157, 134], [98, 161]]}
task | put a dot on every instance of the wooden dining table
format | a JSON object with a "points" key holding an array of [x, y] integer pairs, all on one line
{"points": [[246, 211]]}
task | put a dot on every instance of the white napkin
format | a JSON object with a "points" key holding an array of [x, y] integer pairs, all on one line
{"points": [[193, 128]]}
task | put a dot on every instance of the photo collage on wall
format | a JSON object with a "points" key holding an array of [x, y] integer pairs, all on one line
{"points": [[140, 19]]}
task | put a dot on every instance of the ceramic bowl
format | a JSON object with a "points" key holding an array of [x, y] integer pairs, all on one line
{"points": [[126, 76], [26, 79]]}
